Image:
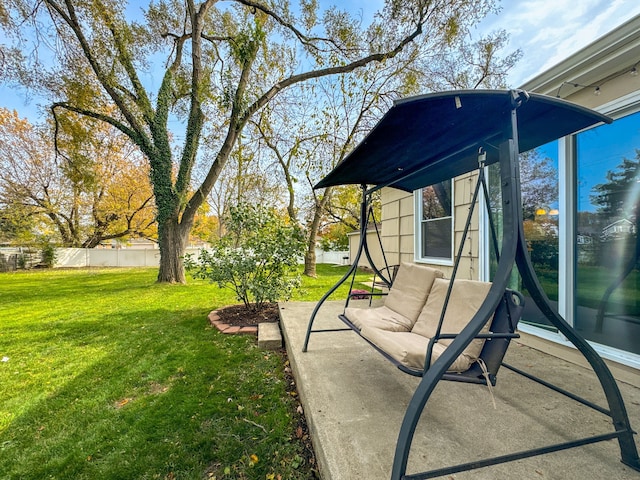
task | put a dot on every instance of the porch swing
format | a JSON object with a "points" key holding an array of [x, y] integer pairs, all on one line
{"points": [[403, 341], [423, 141]]}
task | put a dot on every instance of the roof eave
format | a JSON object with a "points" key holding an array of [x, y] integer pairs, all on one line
{"points": [[603, 58]]}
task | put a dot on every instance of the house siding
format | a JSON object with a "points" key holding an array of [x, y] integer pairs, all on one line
{"points": [[399, 222], [397, 225]]}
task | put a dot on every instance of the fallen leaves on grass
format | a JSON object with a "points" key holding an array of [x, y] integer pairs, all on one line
{"points": [[121, 403]]}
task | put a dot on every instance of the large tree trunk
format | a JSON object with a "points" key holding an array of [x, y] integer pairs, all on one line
{"points": [[310, 259], [310, 255], [172, 239]]}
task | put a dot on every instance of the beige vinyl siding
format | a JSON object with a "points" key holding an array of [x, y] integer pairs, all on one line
{"points": [[398, 227], [463, 191]]}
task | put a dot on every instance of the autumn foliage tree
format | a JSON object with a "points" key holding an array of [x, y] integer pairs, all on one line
{"points": [[312, 129], [220, 63], [93, 188]]}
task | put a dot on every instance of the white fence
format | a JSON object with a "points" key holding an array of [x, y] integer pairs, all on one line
{"points": [[334, 258], [125, 257], [116, 257]]}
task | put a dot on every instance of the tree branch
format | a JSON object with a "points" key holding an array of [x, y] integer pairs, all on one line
{"points": [[140, 140], [70, 18], [196, 116], [305, 40], [323, 72], [237, 121], [124, 57]]}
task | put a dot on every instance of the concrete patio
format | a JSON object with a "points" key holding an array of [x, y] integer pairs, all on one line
{"points": [[355, 400]]}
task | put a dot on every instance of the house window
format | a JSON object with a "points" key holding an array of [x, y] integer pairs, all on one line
{"points": [[607, 275], [583, 238], [434, 242]]}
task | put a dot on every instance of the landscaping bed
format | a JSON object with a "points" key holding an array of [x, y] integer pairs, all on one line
{"points": [[241, 316]]}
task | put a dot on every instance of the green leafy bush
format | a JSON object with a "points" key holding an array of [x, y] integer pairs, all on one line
{"points": [[48, 252], [257, 257]]}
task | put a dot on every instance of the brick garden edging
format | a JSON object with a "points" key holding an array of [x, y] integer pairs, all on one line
{"points": [[214, 319]]}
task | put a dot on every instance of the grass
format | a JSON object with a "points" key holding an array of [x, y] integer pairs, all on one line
{"points": [[107, 375], [592, 283]]}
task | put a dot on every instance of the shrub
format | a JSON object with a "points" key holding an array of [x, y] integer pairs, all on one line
{"points": [[48, 253], [257, 258]]}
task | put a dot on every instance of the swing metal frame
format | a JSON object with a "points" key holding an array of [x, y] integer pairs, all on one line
{"points": [[542, 119]]}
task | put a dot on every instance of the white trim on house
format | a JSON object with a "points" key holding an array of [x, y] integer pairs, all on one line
{"points": [[484, 232], [622, 106], [566, 226]]}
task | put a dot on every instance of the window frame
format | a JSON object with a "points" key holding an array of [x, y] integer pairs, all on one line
{"points": [[418, 237]]}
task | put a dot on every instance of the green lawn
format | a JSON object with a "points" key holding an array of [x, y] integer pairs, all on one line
{"points": [[107, 375], [593, 282]]}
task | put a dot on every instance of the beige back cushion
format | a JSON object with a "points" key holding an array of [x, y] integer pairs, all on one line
{"points": [[410, 289], [466, 298]]}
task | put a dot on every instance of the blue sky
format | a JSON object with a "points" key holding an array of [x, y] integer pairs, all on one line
{"points": [[547, 31], [603, 149]]}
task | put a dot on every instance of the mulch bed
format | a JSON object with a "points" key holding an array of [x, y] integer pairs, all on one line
{"points": [[240, 316]]}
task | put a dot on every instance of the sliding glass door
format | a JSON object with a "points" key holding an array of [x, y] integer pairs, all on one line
{"points": [[540, 211], [607, 245], [589, 204]]}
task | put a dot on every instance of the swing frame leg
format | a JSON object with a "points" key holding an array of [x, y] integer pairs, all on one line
{"points": [[362, 247], [514, 251]]}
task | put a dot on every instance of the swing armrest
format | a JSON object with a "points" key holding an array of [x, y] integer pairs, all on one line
{"points": [[392, 271], [365, 293]]}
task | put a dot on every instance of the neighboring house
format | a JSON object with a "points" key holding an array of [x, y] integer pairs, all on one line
{"points": [[584, 239], [426, 226], [622, 227]]}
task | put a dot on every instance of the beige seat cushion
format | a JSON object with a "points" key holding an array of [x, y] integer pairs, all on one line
{"points": [[410, 349], [466, 298], [379, 317], [410, 289]]}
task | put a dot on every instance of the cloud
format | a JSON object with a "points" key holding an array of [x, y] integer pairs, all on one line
{"points": [[549, 31]]}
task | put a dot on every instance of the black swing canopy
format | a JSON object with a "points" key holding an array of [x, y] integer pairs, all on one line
{"points": [[424, 140], [427, 139]]}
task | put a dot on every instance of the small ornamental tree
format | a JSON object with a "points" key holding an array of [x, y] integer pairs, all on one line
{"points": [[257, 257], [48, 252]]}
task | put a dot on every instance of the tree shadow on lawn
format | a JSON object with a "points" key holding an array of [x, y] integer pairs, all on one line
{"points": [[161, 394]]}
